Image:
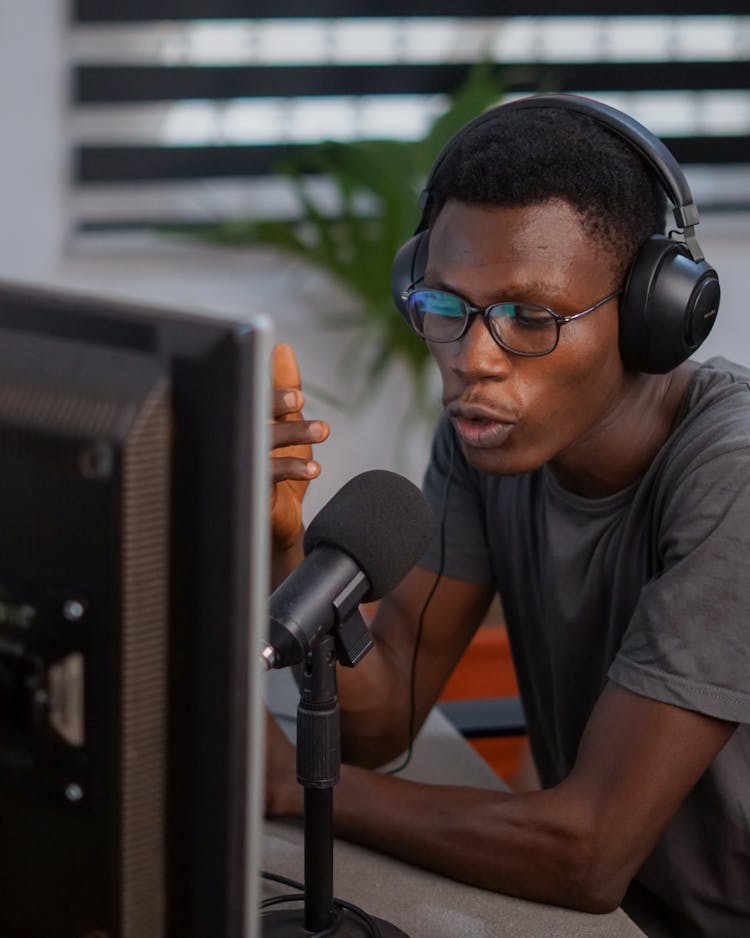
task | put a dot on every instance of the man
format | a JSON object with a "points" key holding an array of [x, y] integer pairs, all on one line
{"points": [[608, 507]]}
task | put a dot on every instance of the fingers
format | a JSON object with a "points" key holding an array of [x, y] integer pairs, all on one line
{"points": [[299, 432], [292, 440], [284, 367], [287, 397], [292, 451], [287, 403], [284, 468]]}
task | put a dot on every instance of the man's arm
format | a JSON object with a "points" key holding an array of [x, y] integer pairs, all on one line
{"points": [[577, 844], [376, 696]]}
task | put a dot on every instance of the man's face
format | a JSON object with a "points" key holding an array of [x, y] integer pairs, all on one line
{"points": [[513, 414]]}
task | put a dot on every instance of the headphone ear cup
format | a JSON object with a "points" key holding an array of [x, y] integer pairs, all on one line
{"points": [[667, 308], [408, 267]]}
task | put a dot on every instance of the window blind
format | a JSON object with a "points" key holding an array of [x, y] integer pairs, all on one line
{"points": [[180, 111]]}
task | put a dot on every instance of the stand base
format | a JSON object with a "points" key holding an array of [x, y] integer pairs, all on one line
{"points": [[291, 924]]}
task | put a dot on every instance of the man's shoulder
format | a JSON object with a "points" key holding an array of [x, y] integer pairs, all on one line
{"points": [[716, 376], [717, 401], [710, 443]]}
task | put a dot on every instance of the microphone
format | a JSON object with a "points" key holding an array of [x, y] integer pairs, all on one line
{"points": [[358, 547]]}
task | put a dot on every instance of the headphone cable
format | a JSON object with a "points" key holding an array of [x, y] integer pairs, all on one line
{"points": [[420, 627]]}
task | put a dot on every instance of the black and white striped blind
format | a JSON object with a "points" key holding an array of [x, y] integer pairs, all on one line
{"points": [[181, 109]]}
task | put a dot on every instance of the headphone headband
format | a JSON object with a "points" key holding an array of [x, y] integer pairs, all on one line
{"points": [[671, 293], [650, 147]]}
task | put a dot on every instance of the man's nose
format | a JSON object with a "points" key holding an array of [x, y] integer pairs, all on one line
{"points": [[477, 355]]}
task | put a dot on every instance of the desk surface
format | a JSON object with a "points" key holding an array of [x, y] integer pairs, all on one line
{"points": [[424, 904]]}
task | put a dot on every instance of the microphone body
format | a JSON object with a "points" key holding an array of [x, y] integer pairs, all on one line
{"points": [[358, 548], [307, 604]]}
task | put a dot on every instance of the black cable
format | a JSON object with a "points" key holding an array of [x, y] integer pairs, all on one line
{"points": [[278, 900], [420, 626], [282, 880]]}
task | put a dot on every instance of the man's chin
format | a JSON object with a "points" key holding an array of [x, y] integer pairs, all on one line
{"points": [[501, 460]]}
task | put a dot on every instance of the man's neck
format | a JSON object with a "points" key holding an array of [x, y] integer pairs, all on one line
{"points": [[619, 451]]}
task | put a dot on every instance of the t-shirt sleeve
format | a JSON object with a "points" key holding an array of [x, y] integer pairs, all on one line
{"points": [[459, 543], [688, 642]]}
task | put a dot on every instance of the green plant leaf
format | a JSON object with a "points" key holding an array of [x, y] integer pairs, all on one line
{"points": [[375, 185]]}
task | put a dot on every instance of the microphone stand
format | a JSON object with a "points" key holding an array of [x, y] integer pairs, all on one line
{"points": [[318, 765]]}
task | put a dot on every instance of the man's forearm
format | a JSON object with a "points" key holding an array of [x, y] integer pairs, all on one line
{"points": [[375, 706], [527, 845]]}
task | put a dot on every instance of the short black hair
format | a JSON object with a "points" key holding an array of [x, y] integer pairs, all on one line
{"points": [[529, 156]]}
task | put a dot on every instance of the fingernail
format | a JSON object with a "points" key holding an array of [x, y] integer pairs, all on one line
{"points": [[311, 468], [290, 399]]}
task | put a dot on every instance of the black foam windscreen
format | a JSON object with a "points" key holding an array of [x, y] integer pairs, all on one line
{"points": [[381, 520]]}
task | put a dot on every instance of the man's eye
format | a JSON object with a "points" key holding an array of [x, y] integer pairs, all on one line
{"points": [[532, 318]]}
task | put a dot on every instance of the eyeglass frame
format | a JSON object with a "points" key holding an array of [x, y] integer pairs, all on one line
{"points": [[560, 319]]}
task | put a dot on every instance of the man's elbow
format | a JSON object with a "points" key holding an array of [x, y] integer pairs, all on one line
{"points": [[599, 896], [597, 882]]}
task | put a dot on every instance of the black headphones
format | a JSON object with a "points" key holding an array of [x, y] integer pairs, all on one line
{"points": [[671, 294]]}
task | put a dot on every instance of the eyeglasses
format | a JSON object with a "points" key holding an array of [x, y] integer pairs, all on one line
{"points": [[521, 328]]}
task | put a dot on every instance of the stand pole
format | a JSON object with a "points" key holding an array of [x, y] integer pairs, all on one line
{"points": [[318, 769], [318, 859]]}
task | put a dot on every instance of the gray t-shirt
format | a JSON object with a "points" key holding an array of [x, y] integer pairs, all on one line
{"points": [[649, 587]]}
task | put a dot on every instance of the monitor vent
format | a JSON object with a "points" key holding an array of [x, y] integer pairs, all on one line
{"points": [[35, 406], [145, 602]]}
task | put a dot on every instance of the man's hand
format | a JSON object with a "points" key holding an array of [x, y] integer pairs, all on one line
{"points": [[292, 466], [284, 796]]}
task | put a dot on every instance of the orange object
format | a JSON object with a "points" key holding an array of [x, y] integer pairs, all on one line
{"points": [[486, 670]]}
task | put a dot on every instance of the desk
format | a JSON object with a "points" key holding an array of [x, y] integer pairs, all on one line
{"points": [[423, 904]]}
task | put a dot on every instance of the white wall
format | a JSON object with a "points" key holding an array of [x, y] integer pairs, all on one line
{"points": [[725, 240], [32, 156]]}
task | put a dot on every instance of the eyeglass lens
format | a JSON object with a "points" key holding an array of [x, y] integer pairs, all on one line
{"points": [[441, 317]]}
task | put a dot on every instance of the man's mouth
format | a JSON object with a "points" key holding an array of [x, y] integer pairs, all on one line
{"points": [[480, 428]]}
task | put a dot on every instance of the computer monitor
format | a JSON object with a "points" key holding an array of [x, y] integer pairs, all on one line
{"points": [[133, 583]]}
